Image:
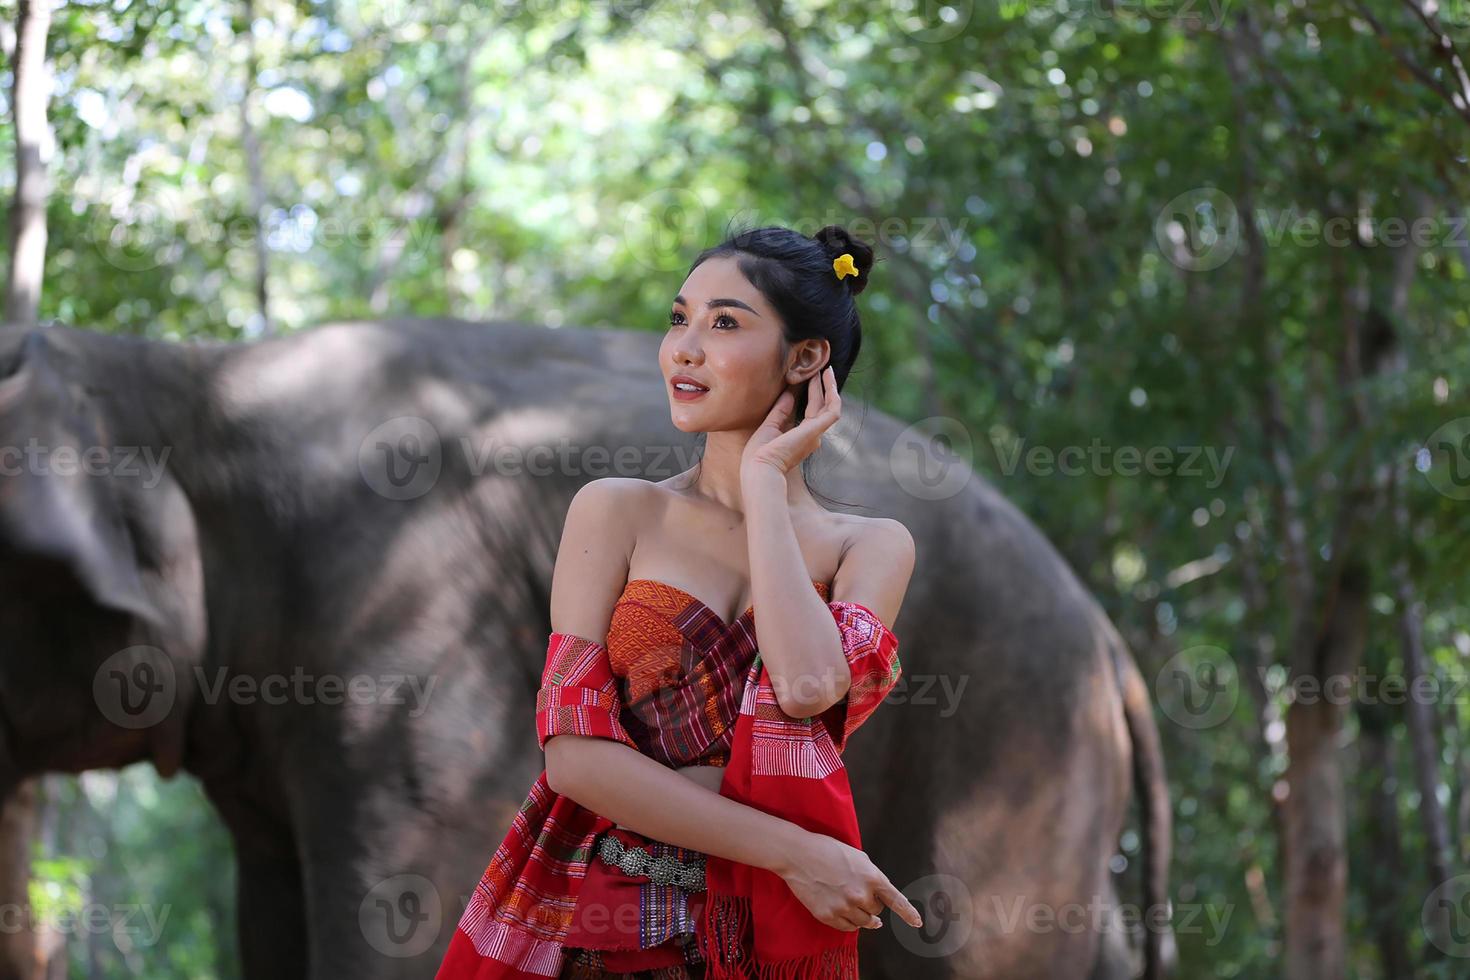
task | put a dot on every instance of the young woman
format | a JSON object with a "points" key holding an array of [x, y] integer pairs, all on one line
{"points": [[694, 818]]}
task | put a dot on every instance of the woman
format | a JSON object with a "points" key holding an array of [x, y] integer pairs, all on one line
{"points": [[694, 818]]}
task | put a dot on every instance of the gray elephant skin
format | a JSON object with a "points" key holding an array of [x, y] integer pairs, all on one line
{"points": [[313, 572]]}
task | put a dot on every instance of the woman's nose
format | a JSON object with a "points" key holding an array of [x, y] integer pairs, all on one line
{"points": [[687, 353]]}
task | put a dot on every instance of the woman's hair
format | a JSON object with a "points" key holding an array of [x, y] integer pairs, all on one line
{"points": [[795, 275]]}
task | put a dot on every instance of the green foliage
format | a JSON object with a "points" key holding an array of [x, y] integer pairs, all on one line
{"points": [[143, 884], [1017, 165]]}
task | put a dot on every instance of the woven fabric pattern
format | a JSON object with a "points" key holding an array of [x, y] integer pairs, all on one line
{"points": [[676, 698]]}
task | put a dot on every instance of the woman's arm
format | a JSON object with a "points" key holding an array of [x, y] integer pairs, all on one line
{"points": [[799, 640], [627, 787], [797, 637], [800, 643], [608, 777], [838, 884]]}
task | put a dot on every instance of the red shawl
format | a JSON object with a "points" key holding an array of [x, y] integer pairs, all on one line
{"points": [[754, 926]]}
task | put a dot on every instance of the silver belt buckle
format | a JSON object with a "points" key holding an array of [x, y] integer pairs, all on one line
{"points": [[663, 870]]}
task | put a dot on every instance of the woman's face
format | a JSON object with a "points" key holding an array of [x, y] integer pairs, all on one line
{"points": [[724, 336]]}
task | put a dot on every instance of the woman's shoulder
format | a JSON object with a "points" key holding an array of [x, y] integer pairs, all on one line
{"points": [[616, 508], [616, 489], [876, 566], [873, 533]]}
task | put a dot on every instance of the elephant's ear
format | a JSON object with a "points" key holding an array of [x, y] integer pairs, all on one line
{"points": [[57, 511], [52, 522], [100, 532]]}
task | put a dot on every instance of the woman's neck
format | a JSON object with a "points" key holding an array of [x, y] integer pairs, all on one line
{"points": [[717, 476]]}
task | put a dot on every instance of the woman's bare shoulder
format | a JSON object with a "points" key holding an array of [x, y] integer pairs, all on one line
{"points": [[877, 563], [617, 491], [878, 532], [597, 541]]}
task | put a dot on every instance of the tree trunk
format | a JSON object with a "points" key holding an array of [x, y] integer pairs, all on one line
{"points": [[21, 956], [1384, 879], [18, 948], [28, 209], [255, 177], [1315, 844], [1423, 741]]}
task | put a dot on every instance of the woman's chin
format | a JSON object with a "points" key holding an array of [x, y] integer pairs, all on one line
{"points": [[686, 418]]}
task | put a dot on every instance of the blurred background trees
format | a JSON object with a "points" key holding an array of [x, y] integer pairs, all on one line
{"points": [[1189, 282]]}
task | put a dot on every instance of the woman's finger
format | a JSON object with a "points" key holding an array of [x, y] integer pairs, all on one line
{"points": [[896, 900], [852, 919], [872, 913], [833, 401]]}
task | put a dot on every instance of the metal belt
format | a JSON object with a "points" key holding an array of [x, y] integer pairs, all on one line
{"points": [[663, 870]]}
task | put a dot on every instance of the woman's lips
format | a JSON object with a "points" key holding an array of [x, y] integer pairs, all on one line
{"points": [[684, 395]]}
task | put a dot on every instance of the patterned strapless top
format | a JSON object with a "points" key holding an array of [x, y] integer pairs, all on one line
{"points": [[681, 669]]}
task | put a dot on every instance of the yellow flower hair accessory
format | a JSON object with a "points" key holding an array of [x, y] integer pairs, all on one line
{"points": [[842, 265]]}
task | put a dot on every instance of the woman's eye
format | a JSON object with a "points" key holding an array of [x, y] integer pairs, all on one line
{"points": [[677, 318]]}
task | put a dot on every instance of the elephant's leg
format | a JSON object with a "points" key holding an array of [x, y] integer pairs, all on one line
{"points": [[270, 912], [384, 898], [271, 916]]}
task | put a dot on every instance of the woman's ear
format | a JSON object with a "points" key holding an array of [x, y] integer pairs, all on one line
{"points": [[810, 357]]}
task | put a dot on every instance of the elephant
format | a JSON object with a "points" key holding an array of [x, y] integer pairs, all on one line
{"points": [[313, 572]]}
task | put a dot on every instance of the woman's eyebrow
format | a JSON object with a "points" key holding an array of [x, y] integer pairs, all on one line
{"points": [[716, 303]]}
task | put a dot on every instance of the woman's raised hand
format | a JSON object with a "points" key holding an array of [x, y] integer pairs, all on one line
{"points": [[779, 445]]}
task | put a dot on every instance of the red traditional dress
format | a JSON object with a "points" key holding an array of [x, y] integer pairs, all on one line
{"points": [[683, 687]]}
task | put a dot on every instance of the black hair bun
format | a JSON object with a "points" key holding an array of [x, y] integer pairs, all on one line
{"points": [[836, 240]]}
